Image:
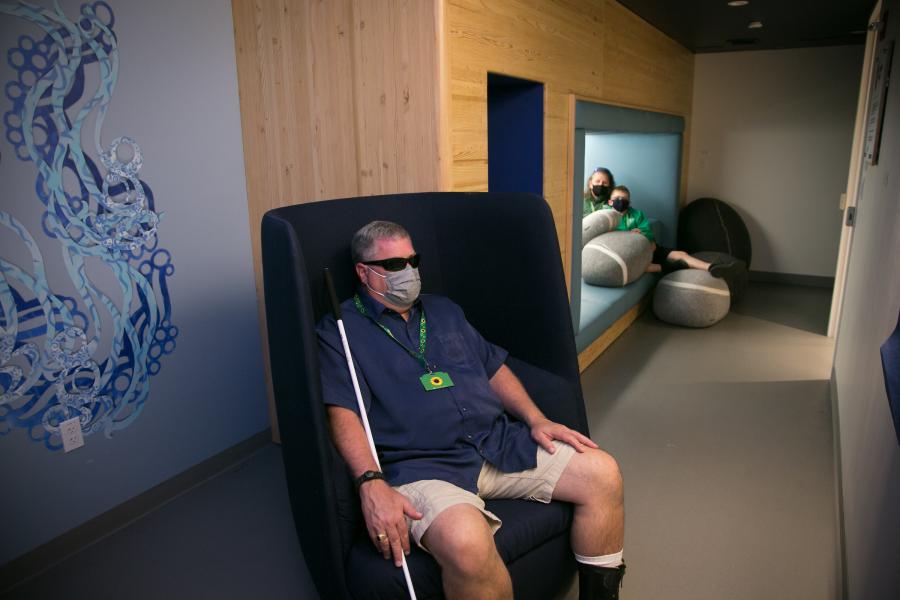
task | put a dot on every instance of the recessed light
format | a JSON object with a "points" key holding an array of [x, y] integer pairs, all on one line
{"points": [[755, 25], [738, 3]]}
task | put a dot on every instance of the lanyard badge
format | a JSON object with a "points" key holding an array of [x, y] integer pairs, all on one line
{"points": [[436, 381]]}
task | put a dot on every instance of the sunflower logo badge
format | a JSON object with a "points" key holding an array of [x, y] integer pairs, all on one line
{"points": [[436, 381]]}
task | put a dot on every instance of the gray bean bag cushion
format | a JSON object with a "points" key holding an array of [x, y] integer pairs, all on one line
{"points": [[737, 281], [615, 259], [597, 223], [710, 224], [691, 298]]}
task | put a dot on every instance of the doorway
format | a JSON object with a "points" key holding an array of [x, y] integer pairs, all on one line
{"points": [[515, 135]]}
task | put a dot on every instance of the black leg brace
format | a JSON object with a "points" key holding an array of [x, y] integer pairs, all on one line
{"points": [[599, 583]]}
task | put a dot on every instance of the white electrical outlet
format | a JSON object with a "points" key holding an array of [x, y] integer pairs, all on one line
{"points": [[70, 431]]}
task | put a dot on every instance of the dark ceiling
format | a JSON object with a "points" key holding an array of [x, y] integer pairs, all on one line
{"points": [[714, 26]]}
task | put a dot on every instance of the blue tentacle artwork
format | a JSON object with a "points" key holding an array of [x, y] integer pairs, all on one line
{"points": [[89, 355]]}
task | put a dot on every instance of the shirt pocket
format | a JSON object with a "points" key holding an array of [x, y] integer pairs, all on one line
{"points": [[452, 348]]}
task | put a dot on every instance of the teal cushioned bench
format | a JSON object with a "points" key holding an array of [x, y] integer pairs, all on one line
{"points": [[602, 306]]}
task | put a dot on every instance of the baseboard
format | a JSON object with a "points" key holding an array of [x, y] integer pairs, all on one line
{"points": [[841, 567], [792, 279], [598, 346], [30, 564]]}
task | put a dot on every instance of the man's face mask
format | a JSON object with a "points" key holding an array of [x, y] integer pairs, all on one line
{"points": [[621, 204], [601, 192], [403, 287]]}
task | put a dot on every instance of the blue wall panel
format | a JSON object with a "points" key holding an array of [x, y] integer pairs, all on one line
{"points": [[515, 135], [649, 164]]}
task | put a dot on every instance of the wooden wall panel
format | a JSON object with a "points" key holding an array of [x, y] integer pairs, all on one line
{"points": [[594, 49], [338, 98], [348, 97], [329, 61], [397, 96]]}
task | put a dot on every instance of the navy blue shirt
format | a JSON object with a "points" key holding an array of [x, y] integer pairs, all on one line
{"points": [[442, 434]]}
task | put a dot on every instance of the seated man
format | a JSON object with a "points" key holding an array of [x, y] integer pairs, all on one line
{"points": [[437, 396], [664, 259]]}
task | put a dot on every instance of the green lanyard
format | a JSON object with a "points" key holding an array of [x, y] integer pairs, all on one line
{"points": [[420, 355]]}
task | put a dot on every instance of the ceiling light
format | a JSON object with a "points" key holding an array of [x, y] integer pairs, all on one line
{"points": [[755, 25], [738, 3]]}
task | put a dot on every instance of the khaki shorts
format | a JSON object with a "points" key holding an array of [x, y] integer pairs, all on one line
{"points": [[433, 496]]}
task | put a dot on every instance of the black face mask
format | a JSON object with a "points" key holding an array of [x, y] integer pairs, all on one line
{"points": [[601, 192], [621, 204]]}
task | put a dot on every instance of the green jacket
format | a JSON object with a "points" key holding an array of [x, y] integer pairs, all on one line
{"points": [[634, 219], [589, 205]]}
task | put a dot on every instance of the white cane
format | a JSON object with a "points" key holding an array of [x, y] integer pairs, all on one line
{"points": [[336, 308]]}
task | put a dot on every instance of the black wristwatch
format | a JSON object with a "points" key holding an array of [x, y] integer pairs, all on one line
{"points": [[367, 476]]}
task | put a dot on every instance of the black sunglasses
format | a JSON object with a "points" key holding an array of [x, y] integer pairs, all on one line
{"points": [[395, 264]]}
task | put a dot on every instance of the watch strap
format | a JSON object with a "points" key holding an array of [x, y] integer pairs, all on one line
{"points": [[367, 476]]}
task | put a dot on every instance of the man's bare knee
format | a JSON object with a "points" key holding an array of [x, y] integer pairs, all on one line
{"points": [[460, 538], [609, 476], [591, 476]]}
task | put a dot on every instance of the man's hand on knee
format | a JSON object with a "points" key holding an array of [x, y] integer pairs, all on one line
{"points": [[545, 431], [385, 509]]}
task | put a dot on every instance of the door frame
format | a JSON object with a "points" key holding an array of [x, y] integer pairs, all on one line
{"points": [[850, 197]]}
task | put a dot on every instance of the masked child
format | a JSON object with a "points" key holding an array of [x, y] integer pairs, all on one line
{"points": [[665, 259]]}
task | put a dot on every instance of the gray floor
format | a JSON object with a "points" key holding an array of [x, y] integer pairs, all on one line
{"points": [[723, 434], [724, 438], [231, 537]]}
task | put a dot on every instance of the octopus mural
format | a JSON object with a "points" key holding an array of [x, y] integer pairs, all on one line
{"points": [[90, 353]]}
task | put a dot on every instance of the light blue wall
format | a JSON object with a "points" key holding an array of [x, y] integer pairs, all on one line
{"points": [[649, 164], [176, 95]]}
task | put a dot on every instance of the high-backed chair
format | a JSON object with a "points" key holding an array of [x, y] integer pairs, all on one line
{"points": [[497, 256]]}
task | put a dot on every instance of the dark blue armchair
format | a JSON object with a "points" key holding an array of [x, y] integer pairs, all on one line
{"points": [[497, 256]]}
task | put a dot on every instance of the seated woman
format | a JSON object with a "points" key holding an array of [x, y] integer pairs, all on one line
{"points": [[597, 190], [664, 259]]}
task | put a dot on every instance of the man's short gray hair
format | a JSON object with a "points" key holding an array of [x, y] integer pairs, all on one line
{"points": [[363, 243]]}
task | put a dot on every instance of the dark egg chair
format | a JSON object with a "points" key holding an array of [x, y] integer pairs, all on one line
{"points": [[497, 256]]}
